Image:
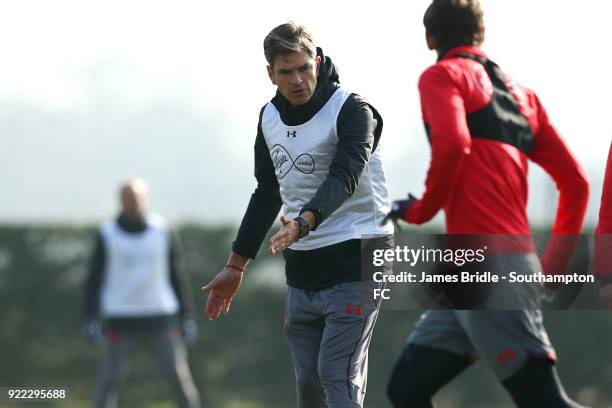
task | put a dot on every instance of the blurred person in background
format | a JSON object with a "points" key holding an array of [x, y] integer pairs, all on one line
{"points": [[317, 154], [603, 239], [483, 128], [136, 295]]}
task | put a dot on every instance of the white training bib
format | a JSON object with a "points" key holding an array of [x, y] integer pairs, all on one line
{"points": [[302, 155], [137, 271]]}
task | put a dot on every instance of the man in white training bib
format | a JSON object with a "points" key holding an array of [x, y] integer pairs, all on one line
{"points": [[317, 155], [136, 289]]}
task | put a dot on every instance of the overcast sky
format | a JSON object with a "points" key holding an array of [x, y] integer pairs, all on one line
{"points": [[94, 91]]}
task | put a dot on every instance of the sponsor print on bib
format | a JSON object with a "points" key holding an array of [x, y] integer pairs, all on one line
{"points": [[284, 163]]}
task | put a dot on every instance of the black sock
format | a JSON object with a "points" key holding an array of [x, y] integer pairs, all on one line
{"points": [[419, 373], [538, 385]]}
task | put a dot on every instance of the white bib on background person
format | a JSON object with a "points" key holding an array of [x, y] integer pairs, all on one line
{"points": [[137, 271], [302, 155]]}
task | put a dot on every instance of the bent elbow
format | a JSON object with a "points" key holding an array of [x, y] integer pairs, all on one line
{"points": [[460, 148], [582, 187]]}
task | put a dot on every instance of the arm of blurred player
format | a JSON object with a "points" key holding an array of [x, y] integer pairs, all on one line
{"points": [[91, 297], [179, 279], [552, 154], [444, 112]]}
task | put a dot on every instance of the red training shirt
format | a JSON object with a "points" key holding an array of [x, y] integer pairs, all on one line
{"points": [[603, 241], [480, 183]]}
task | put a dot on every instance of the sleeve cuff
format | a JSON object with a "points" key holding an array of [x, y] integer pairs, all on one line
{"points": [[413, 214], [248, 252]]}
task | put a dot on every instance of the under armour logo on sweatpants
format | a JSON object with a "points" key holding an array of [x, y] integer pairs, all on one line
{"points": [[350, 309], [505, 356], [292, 133], [115, 337]]}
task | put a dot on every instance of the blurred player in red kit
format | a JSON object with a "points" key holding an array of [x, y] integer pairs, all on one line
{"points": [[483, 129]]}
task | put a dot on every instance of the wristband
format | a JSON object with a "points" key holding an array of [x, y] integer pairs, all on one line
{"points": [[241, 269]]}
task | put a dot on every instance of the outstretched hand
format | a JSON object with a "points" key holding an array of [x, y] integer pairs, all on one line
{"points": [[287, 235], [221, 291]]}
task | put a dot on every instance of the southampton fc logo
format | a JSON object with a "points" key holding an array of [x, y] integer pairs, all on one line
{"points": [[284, 163]]}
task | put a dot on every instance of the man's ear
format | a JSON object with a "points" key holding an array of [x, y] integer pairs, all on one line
{"points": [[481, 35], [431, 42], [271, 74], [318, 59]]}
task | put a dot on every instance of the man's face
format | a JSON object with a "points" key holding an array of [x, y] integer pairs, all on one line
{"points": [[295, 75], [134, 200]]}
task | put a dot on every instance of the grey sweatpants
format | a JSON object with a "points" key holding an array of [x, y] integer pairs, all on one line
{"points": [[505, 339], [329, 332], [166, 346]]}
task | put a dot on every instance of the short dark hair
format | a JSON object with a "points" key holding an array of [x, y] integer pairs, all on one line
{"points": [[287, 38], [454, 22]]}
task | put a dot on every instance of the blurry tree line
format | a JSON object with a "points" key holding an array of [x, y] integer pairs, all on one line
{"points": [[242, 357]]}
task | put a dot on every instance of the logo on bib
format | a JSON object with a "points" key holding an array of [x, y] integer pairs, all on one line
{"points": [[284, 163]]}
